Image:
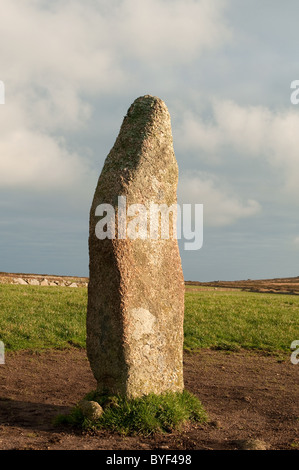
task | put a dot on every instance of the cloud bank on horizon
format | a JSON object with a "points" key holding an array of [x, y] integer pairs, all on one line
{"points": [[71, 70]]}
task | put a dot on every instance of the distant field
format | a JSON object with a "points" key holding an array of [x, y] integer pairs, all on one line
{"points": [[284, 285], [54, 317], [234, 319]]}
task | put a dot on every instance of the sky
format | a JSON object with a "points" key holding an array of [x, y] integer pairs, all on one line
{"points": [[224, 68]]}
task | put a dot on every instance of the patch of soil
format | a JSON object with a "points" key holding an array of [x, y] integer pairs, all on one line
{"points": [[250, 399]]}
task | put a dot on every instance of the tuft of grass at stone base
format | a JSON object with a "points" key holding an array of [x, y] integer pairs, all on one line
{"points": [[146, 415]]}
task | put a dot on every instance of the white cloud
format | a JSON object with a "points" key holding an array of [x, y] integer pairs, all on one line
{"points": [[252, 132], [56, 57], [221, 206], [35, 160], [171, 31]]}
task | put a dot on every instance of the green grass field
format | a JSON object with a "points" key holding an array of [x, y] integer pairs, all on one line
{"points": [[240, 320], [54, 317]]}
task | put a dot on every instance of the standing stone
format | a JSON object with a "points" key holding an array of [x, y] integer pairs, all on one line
{"points": [[136, 286]]}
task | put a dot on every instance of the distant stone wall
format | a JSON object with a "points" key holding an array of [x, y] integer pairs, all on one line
{"points": [[43, 280]]}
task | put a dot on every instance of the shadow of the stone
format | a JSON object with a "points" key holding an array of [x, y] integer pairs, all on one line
{"points": [[31, 415]]}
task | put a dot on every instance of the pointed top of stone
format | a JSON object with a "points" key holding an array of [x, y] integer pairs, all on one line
{"points": [[146, 104], [147, 116], [144, 144]]}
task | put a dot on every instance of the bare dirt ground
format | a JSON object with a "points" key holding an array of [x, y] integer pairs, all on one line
{"points": [[247, 396]]}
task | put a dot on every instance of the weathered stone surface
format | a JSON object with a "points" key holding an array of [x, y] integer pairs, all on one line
{"points": [[34, 282], [251, 444], [91, 409], [136, 287]]}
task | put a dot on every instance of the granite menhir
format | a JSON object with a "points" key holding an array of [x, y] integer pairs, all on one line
{"points": [[136, 286]]}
